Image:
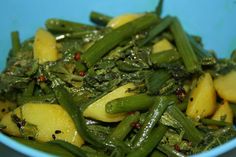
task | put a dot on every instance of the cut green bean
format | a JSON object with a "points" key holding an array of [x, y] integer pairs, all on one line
{"points": [[184, 47], [155, 81], [69, 147], [59, 25], [99, 18], [15, 40], [157, 153], [115, 36], [164, 57], [160, 105], [159, 28], [169, 151], [150, 143], [45, 147], [159, 8], [214, 122], [130, 103], [191, 133], [124, 127], [205, 57]]}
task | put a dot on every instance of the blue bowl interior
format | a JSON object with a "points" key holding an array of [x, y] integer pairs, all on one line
{"points": [[213, 21]]}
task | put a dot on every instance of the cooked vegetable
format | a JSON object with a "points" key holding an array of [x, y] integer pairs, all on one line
{"points": [[132, 85], [45, 46], [48, 119], [114, 37], [122, 19], [184, 48], [226, 87], [97, 110], [162, 45], [202, 100], [224, 113]]}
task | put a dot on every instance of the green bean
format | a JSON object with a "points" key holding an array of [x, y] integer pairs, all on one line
{"points": [[155, 81], [130, 103], [157, 153], [160, 105], [59, 25], [165, 23], [66, 101], [191, 132], [169, 151], [115, 36], [164, 57], [124, 127], [69, 147], [46, 147], [159, 8], [150, 143], [205, 57], [99, 18], [15, 40], [214, 122], [29, 90], [73, 35], [184, 47]]}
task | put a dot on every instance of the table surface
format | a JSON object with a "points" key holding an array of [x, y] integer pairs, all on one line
{"points": [[5, 151]]}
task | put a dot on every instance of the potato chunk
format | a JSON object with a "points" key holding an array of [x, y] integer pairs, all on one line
{"points": [[226, 86], [51, 120], [202, 102], [162, 45], [45, 46], [224, 113], [122, 19], [97, 109]]}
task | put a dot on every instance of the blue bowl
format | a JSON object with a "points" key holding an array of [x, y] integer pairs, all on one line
{"points": [[213, 21]]}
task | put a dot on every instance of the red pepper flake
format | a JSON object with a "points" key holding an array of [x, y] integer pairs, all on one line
{"points": [[81, 73], [77, 56], [41, 78], [177, 148], [136, 125]]}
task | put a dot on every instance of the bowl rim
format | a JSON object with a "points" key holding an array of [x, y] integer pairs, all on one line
{"points": [[26, 150]]}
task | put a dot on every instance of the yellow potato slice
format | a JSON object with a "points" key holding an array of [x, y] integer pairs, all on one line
{"points": [[45, 46], [97, 109], [226, 86], [51, 120], [122, 19], [202, 102], [162, 45], [224, 113]]}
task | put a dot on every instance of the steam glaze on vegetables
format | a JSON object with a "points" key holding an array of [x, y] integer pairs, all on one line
{"points": [[134, 85]]}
